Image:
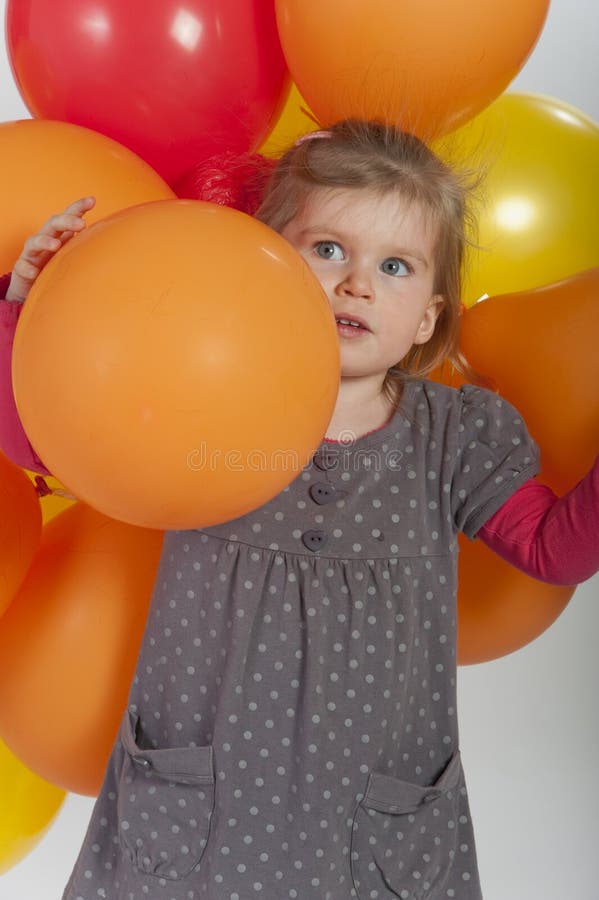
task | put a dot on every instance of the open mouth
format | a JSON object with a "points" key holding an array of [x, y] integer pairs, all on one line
{"points": [[350, 327]]}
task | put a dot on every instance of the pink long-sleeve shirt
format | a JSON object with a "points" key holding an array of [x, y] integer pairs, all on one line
{"points": [[13, 440], [550, 538]]}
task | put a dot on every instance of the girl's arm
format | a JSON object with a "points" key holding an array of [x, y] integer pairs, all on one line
{"points": [[553, 539], [13, 440], [14, 289]]}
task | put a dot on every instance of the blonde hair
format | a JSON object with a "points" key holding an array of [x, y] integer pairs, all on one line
{"points": [[358, 154]]}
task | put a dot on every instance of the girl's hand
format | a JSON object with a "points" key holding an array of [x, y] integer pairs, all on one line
{"points": [[41, 247]]}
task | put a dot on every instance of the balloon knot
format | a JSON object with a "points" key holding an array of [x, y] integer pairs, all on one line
{"points": [[41, 487]]}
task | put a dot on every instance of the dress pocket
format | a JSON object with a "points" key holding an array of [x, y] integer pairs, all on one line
{"points": [[404, 835], [165, 803]]}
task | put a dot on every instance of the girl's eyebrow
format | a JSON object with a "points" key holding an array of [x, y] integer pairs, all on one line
{"points": [[318, 230], [414, 255]]}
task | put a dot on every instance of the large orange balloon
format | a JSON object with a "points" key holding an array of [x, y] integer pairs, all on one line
{"points": [[177, 365], [429, 65], [69, 643], [29, 806], [46, 165], [20, 528], [539, 348]]}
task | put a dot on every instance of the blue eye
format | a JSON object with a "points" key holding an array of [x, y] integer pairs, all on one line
{"points": [[395, 266], [329, 250]]}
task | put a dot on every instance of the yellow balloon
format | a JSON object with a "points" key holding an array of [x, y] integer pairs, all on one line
{"points": [[538, 204], [295, 120], [29, 805], [53, 503]]}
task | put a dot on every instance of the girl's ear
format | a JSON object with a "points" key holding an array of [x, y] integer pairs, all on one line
{"points": [[429, 319]]}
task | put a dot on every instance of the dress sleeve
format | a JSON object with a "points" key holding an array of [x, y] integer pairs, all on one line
{"points": [[495, 456], [13, 440], [551, 538]]}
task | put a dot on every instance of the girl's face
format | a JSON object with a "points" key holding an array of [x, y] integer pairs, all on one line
{"points": [[375, 261]]}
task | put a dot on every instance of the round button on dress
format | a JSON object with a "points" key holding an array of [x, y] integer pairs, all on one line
{"points": [[322, 493]]}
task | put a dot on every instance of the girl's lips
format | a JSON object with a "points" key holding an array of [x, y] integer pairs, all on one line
{"points": [[352, 318], [350, 331]]}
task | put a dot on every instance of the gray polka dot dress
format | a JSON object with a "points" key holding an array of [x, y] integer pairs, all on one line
{"points": [[291, 729]]}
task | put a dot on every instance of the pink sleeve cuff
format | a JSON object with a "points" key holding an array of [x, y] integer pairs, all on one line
{"points": [[553, 539]]}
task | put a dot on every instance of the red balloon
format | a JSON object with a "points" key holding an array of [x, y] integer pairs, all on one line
{"points": [[174, 82]]}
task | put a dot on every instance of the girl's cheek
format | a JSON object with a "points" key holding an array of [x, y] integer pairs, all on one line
{"points": [[316, 264]]}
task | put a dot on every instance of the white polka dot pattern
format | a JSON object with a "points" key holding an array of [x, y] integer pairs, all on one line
{"points": [[291, 730]]}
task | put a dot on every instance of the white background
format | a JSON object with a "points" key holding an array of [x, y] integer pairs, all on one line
{"points": [[530, 721]]}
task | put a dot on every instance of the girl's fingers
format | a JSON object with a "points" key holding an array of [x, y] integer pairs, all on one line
{"points": [[80, 206], [44, 242], [25, 270], [61, 223], [71, 219], [40, 245]]}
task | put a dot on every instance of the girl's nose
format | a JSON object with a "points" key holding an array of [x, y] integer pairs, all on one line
{"points": [[356, 284]]}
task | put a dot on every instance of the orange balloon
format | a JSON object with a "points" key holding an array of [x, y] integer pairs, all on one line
{"points": [[176, 365], [45, 165], [429, 66], [20, 528], [69, 643], [539, 349], [500, 609]]}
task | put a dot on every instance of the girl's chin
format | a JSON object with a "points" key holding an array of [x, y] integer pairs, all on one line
{"points": [[354, 371]]}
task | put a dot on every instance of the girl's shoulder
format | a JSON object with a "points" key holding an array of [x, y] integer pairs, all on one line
{"points": [[424, 396], [460, 415], [446, 392], [477, 442]]}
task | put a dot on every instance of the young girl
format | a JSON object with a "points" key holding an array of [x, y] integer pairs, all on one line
{"points": [[291, 730]]}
